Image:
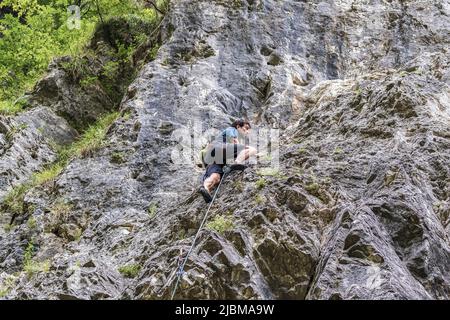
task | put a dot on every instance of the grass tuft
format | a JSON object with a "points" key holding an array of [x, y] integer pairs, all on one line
{"points": [[220, 224], [130, 271]]}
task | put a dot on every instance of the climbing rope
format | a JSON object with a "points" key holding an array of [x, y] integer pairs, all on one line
{"points": [[181, 266]]}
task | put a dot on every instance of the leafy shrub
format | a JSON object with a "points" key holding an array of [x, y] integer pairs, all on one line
{"points": [[39, 31]]}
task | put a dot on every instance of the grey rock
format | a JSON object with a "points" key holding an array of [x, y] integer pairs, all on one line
{"points": [[32, 136], [59, 91], [361, 207]]}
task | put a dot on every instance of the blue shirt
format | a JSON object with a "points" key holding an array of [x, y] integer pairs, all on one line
{"points": [[228, 135]]}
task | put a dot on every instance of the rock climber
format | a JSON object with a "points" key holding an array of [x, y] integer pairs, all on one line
{"points": [[225, 148]]}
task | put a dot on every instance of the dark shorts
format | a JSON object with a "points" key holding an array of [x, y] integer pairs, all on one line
{"points": [[212, 168], [219, 153]]}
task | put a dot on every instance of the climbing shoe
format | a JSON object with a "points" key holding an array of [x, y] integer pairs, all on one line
{"points": [[237, 167], [233, 167], [205, 194]]}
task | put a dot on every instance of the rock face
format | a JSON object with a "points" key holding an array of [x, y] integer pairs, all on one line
{"points": [[26, 144], [358, 208]]}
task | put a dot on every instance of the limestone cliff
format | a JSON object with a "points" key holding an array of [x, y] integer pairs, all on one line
{"points": [[358, 208]]}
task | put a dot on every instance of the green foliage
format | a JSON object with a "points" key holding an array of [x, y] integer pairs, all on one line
{"points": [[14, 200], [78, 234], [8, 107], [390, 177], [220, 224], [79, 69], [13, 131], [3, 291], [47, 175], [130, 271], [30, 266], [8, 227], [238, 185], [152, 210], [31, 223], [28, 44], [268, 172], [271, 172], [28, 255], [34, 267], [60, 210], [153, 52], [236, 3], [117, 157], [41, 32], [312, 187], [59, 213], [126, 116], [110, 69], [259, 199], [8, 283], [90, 141], [165, 62], [260, 184], [88, 81]]}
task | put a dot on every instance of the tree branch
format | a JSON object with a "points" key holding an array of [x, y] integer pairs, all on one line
{"points": [[99, 11], [153, 4]]}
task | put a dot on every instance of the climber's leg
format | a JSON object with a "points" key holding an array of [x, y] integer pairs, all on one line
{"points": [[211, 178], [211, 182]]}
